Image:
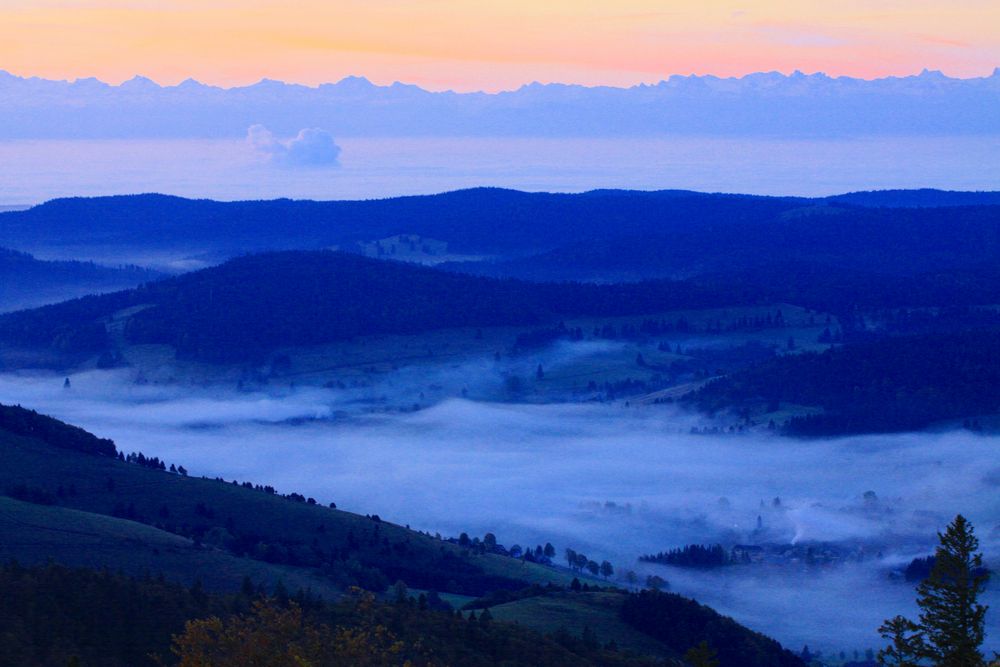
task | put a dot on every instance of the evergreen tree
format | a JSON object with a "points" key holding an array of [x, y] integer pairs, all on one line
{"points": [[701, 655], [951, 625], [951, 619], [906, 646]]}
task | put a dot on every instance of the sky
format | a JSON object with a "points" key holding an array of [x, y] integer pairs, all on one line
{"points": [[478, 45]]}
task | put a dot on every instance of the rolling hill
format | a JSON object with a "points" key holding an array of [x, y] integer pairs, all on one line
{"points": [[27, 282], [604, 235], [248, 306], [895, 384], [63, 503]]}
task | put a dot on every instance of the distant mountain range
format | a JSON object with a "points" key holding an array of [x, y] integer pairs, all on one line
{"points": [[762, 104]]}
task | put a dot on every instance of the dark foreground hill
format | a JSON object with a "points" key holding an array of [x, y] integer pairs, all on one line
{"points": [[250, 305], [187, 548]]}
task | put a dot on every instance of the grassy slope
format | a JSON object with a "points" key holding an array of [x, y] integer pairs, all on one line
{"points": [[275, 519], [574, 612], [35, 534]]}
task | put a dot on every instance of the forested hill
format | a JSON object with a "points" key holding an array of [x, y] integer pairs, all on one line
{"points": [[885, 241], [489, 220], [929, 229], [896, 384], [30, 424], [253, 304], [26, 281], [925, 197]]}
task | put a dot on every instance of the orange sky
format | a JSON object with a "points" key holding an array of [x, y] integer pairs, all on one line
{"points": [[470, 44]]}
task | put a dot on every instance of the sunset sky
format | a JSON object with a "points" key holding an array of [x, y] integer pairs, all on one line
{"points": [[471, 45]]}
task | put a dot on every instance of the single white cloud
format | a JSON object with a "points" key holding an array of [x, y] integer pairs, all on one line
{"points": [[312, 147]]}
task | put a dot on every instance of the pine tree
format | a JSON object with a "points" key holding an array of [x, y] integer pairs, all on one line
{"points": [[951, 619], [951, 626], [701, 655], [906, 646]]}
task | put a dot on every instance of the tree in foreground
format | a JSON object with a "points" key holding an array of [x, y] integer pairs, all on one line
{"points": [[906, 643], [951, 618], [951, 625], [701, 655]]}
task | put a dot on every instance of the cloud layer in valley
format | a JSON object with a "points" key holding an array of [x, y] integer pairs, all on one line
{"points": [[610, 481]]}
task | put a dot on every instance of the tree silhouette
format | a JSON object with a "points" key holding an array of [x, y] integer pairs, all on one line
{"points": [[906, 646], [951, 618], [951, 626], [701, 655]]}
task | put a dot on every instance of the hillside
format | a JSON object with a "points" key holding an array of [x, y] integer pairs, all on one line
{"points": [[36, 534], [251, 305], [253, 522], [64, 503], [27, 282], [481, 220], [889, 241], [896, 384], [604, 234], [925, 197], [59, 616]]}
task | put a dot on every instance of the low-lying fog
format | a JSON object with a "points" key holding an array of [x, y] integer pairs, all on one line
{"points": [[610, 481]]}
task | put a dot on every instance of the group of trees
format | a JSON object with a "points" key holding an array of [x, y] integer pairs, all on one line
{"points": [[682, 624], [579, 562], [489, 544], [950, 629], [53, 616], [692, 555], [153, 462]]}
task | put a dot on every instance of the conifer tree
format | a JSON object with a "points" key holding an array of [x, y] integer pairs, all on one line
{"points": [[701, 655], [906, 646], [951, 625], [951, 618]]}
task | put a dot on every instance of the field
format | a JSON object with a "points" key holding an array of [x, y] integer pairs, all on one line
{"points": [[37, 534], [575, 612]]}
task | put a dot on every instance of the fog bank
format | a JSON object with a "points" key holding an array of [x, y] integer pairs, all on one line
{"points": [[610, 481]]}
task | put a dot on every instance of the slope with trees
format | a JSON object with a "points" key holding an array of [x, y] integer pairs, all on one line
{"points": [[253, 304], [27, 282], [546, 235], [895, 384]]}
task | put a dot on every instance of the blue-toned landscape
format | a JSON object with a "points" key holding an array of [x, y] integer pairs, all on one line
{"points": [[606, 366]]}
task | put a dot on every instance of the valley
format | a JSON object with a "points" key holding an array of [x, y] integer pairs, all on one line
{"points": [[412, 421]]}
